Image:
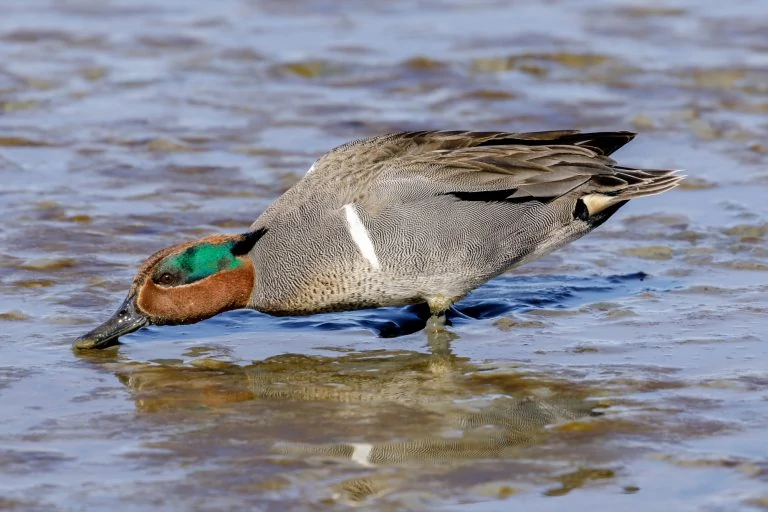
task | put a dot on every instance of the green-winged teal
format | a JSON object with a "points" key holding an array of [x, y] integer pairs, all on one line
{"points": [[414, 217]]}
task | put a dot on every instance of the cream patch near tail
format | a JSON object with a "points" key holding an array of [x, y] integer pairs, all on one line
{"points": [[596, 203]]}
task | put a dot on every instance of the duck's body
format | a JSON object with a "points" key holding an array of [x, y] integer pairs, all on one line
{"points": [[399, 219], [429, 216]]}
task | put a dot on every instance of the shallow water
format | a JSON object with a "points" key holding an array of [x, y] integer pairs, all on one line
{"points": [[627, 369]]}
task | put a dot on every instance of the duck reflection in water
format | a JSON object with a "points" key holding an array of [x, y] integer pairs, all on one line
{"points": [[372, 409]]}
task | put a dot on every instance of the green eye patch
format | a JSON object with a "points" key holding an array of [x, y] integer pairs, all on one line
{"points": [[195, 263]]}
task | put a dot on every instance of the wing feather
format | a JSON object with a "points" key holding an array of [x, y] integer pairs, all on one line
{"points": [[408, 166]]}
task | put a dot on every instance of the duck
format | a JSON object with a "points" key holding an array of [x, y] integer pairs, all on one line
{"points": [[417, 217]]}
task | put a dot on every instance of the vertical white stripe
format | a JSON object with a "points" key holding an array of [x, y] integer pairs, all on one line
{"points": [[360, 235], [361, 453], [311, 169]]}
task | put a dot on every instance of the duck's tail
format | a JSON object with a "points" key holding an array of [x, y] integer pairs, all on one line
{"points": [[612, 191]]}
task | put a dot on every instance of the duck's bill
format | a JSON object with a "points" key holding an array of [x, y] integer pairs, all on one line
{"points": [[126, 320]]}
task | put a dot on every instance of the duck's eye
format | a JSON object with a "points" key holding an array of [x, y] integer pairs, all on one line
{"points": [[166, 278]]}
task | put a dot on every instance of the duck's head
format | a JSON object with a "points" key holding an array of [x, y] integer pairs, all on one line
{"points": [[183, 284]]}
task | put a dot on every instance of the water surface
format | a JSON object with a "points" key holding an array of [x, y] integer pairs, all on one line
{"points": [[626, 369]]}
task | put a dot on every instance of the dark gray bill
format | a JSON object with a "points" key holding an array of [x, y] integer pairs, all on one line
{"points": [[126, 320]]}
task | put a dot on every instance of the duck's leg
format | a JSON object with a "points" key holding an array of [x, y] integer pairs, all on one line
{"points": [[438, 337], [436, 322]]}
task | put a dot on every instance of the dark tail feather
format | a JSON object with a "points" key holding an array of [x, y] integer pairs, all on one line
{"points": [[602, 143]]}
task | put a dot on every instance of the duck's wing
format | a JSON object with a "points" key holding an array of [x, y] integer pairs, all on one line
{"points": [[517, 173], [370, 151], [489, 166], [362, 160]]}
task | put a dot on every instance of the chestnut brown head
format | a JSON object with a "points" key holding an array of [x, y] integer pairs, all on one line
{"points": [[183, 284]]}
